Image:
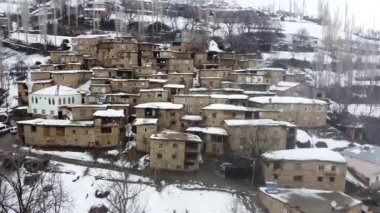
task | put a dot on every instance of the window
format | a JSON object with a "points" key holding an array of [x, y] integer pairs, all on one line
{"points": [[43, 112], [333, 168], [60, 131], [332, 179], [159, 95], [86, 132], [36, 100], [159, 156], [53, 101], [74, 131], [32, 99], [59, 101], [173, 123], [214, 115], [321, 167], [174, 156], [82, 112], [34, 111], [49, 101], [72, 99], [298, 166], [320, 179], [51, 112], [33, 129], [64, 100], [277, 165], [106, 130], [69, 101], [144, 129], [172, 114], [298, 178], [175, 146], [160, 145]]}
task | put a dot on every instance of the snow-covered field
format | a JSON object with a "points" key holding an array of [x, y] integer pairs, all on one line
{"points": [[192, 197], [371, 110], [38, 38]]}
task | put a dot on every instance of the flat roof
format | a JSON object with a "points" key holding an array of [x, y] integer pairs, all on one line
{"points": [[307, 154], [286, 100], [53, 122], [159, 105], [174, 135]]}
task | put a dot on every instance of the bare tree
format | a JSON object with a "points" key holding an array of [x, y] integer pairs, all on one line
{"points": [[25, 17], [25, 189], [124, 197], [230, 19]]}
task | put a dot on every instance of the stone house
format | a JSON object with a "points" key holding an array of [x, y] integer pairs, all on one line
{"points": [[249, 63], [215, 114], [55, 56], [87, 44], [182, 79], [181, 65], [71, 78], [169, 114], [71, 57], [120, 52], [303, 112], [285, 88], [129, 85], [122, 98], [174, 89], [153, 95], [106, 130], [144, 128], [263, 134], [222, 73], [176, 151], [306, 168], [210, 82], [239, 100], [193, 103], [190, 121], [306, 200], [214, 139], [144, 71], [55, 67], [200, 59]]}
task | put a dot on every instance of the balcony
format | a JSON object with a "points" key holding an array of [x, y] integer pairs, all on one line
{"points": [[192, 148]]}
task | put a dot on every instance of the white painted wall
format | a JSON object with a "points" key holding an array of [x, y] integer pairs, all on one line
{"points": [[42, 106]]}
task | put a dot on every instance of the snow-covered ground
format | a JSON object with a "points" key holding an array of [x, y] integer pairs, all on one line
{"points": [[39, 38], [192, 197], [371, 110]]}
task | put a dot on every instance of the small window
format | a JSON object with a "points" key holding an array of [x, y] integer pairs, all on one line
{"points": [[82, 112], [144, 129], [49, 101], [32, 100], [159, 95], [106, 130], [333, 168], [59, 101], [36, 100], [74, 131], [51, 112], [35, 111], [33, 129], [298, 166], [160, 145], [175, 146], [174, 156], [320, 179], [53, 101], [173, 123], [298, 178], [69, 101], [43, 112], [72, 99], [64, 100], [277, 165], [332, 179], [159, 156], [321, 167], [214, 115]]}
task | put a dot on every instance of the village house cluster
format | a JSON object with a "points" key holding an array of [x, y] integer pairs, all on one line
{"points": [[180, 105]]}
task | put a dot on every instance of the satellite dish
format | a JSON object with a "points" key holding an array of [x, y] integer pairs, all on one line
{"points": [[333, 204]]}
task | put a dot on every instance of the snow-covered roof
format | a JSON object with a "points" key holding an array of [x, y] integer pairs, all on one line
{"points": [[368, 153], [258, 93], [286, 100], [213, 47], [177, 86], [283, 86], [228, 107], [159, 105], [70, 71], [54, 122], [192, 118], [163, 81], [230, 97], [310, 154], [312, 200], [303, 137], [153, 90], [57, 90], [257, 122], [112, 113], [174, 135], [145, 121], [208, 130]]}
